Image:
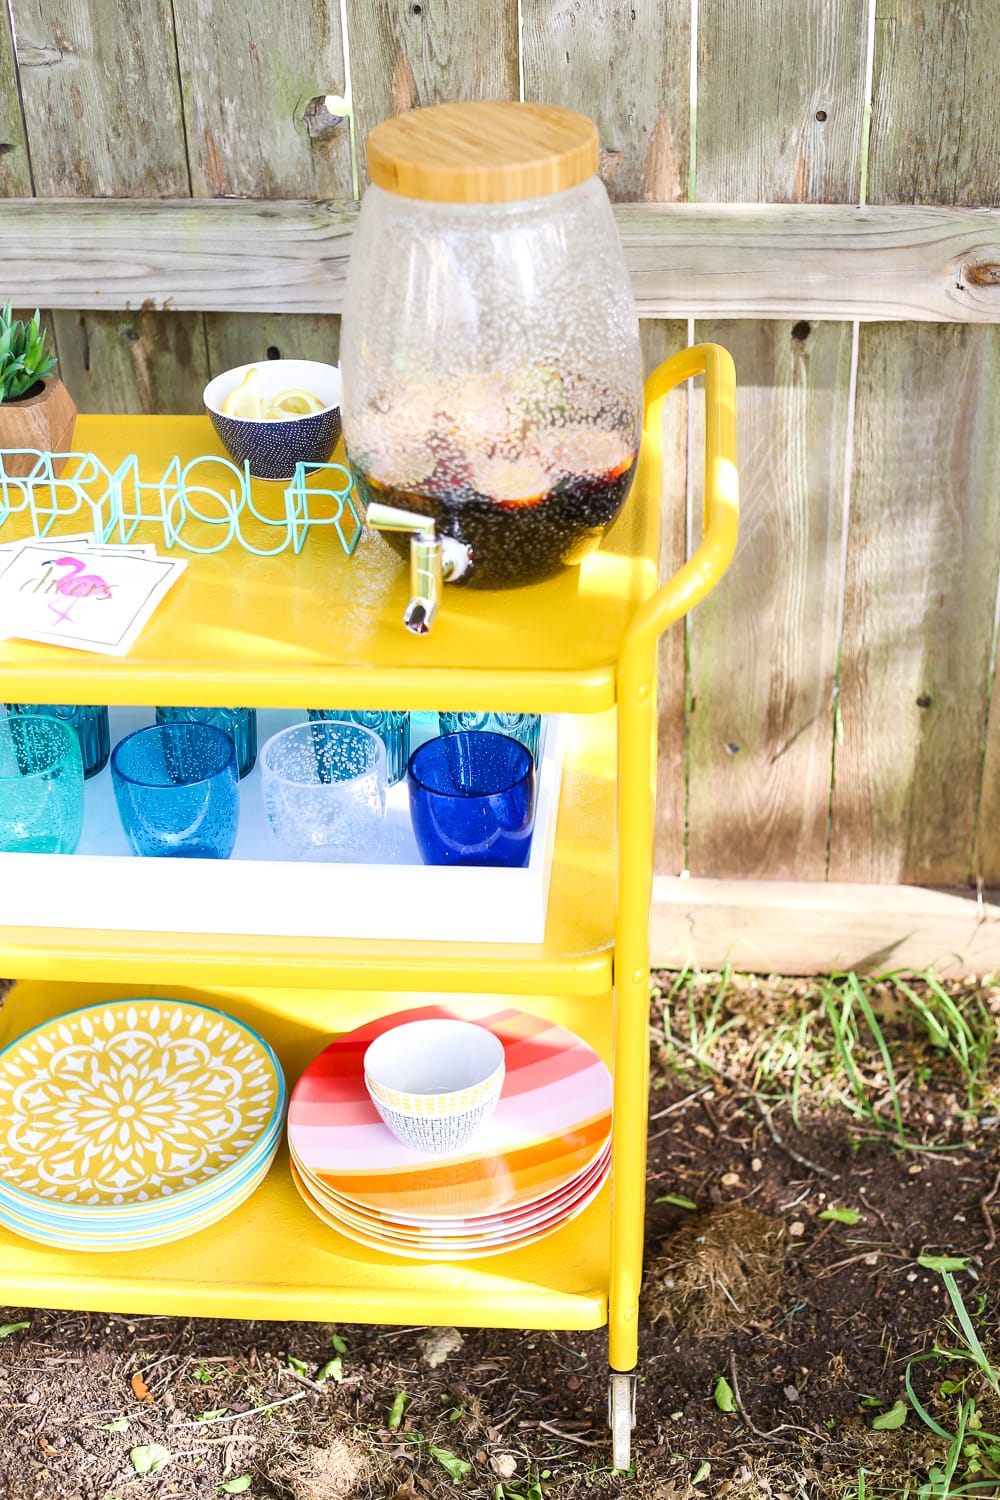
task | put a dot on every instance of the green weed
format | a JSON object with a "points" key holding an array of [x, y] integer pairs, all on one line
{"points": [[971, 1462]]}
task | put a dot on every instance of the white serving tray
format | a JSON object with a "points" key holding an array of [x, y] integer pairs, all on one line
{"points": [[104, 886]]}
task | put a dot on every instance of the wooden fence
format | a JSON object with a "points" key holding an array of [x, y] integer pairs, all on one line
{"points": [[830, 766]]}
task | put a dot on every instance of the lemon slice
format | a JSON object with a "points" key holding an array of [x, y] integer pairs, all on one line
{"points": [[244, 402], [291, 404]]}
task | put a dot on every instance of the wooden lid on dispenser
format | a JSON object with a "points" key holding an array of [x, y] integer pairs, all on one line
{"points": [[492, 151]]}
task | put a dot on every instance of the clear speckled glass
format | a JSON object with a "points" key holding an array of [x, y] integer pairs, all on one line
{"points": [[472, 800], [91, 723], [392, 727], [324, 789], [239, 723], [525, 728], [177, 790], [41, 785]]}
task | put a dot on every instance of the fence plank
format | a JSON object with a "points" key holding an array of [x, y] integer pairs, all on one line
{"points": [[625, 64], [142, 361], [780, 101], [15, 171], [811, 927], [251, 73], [238, 338], [702, 260], [924, 151], [405, 55], [763, 647], [924, 537], [103, 113], [255, 79], [918, 612], [935, 134], [101, 97]]}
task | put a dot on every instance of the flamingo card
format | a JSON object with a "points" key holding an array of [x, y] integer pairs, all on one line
{"points": [[87, 598]]}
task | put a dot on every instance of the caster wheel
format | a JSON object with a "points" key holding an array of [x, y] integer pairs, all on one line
{"points": [[621, 1418]]}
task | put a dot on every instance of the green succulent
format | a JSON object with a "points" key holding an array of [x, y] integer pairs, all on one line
{"points": [[24, 359]]}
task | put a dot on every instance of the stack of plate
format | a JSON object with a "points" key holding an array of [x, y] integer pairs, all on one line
{"points": [[132, 1123], [537, 1163]]}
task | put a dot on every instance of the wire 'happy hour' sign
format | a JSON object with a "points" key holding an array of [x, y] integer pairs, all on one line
{"points": [[201, 506]]}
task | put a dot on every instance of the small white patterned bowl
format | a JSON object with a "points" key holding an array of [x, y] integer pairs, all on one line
{"points": [[435, 1083], [272, 449]]}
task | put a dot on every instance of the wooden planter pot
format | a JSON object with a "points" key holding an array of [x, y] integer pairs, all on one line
{"points": [[44, 421]]}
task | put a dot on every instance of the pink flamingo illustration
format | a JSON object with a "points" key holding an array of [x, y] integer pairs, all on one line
{"points": [[76, 584]]}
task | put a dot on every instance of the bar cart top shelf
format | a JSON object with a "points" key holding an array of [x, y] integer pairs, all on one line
{"points": [[285, 629]]}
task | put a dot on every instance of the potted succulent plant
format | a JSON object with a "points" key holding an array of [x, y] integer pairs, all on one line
{"points": [[36, 410]]}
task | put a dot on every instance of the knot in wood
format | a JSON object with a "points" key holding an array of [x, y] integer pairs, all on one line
{"points": [[986, 274], [319, 122]]}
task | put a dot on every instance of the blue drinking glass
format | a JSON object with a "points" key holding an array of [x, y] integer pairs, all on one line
{"points": [[177, 790], [472, 799], [41, 785], [391, 725], [90, 722], [239, 723], [527, 728]]}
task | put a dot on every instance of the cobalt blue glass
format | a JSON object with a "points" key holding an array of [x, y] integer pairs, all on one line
{"points": [[391, 725], [472, 799], [93, 729], [524, 727], [239, 723], [177, 790]]}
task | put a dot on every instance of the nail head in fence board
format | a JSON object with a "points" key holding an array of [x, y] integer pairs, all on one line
{"points": [[764, 644], [625, 65], [249, 73], [704, 260], [923, 551], [659, 341], [406, 54], [15, 174], [766, 70], [803, 927], [103, 112], [935, 133]]}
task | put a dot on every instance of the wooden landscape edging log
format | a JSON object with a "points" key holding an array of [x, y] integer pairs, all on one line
{"points": [[686, 260], [822, 927]]}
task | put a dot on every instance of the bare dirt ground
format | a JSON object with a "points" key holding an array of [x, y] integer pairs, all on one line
{"points": [[821, 1244]]}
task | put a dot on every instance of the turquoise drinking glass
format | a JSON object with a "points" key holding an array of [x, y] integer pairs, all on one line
{"points": [[41, 785], [239, 723], [391, 725], [177, 790], [525, 728], [93, 729]]}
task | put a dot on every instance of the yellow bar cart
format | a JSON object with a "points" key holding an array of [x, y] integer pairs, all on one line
{"points": [[319, 627]]}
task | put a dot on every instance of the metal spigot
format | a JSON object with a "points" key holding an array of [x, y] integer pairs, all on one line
{"points": [[434, 560]]}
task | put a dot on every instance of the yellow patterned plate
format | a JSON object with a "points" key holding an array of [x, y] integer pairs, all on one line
{"points": [[90, 1237], [134, 1103]]}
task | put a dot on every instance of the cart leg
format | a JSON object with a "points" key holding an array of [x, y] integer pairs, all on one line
{"points": [[621, 1417]]}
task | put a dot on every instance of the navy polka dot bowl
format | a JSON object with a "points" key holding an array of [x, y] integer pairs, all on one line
{"points": [[274, 448]]}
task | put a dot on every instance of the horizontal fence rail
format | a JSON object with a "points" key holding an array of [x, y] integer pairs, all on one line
{"points": [[689, 260]]}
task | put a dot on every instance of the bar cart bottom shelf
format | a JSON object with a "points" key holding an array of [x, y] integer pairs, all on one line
{"points": [[272, 1258]]}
